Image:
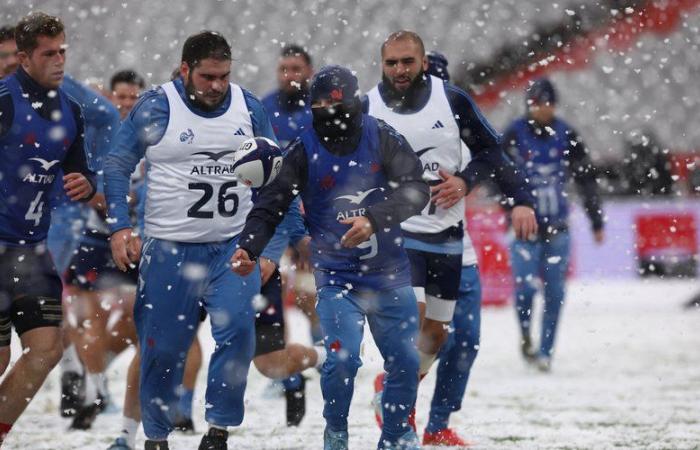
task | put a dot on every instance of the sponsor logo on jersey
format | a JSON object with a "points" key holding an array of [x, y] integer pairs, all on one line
{"points": [[35, 178], [437, 125], [217, 168], [359, 198], [187, 136], [46, 165], [354, 199], [214, 156], [38, 178], [239, 132], [423, 151], [429, 166]]}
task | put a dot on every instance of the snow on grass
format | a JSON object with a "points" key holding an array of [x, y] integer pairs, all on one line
{"points": [[626, 374]]}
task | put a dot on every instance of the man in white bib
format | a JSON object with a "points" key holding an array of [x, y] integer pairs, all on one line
{"points": [[188, 130], [458, 149]]}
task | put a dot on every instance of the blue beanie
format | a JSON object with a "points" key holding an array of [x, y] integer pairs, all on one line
{"points": [[437, 65], [542, 91], [335, 83]]}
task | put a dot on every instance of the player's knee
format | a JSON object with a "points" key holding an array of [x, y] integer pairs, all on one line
{"points": [[45, 356], [344, 360], [435, 334], [296, 357]]}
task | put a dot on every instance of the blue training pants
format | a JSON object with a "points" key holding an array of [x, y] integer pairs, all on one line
{"points": [[393, 321], [549, 259], [458, 353], [174, 278]]}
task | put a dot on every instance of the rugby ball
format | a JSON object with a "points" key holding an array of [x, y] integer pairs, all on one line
{"points": [[257, 162]]}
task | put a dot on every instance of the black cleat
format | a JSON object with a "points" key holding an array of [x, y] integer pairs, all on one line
{"points": [[156, 445], [184, 425], [72, 391], [526, 348], [103, 402], [296, 404], [85, 416], [215, 439]]}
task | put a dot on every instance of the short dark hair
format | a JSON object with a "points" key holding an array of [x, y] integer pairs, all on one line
{"points": [[404, 35], [7, 33], [296, 50], [127, 76], [33, 25], [203, 45]]}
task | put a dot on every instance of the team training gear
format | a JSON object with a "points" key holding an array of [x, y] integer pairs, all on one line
{"points": [[197, 152], [435, 137], [34, 149], [257, 162], [342, 187]]}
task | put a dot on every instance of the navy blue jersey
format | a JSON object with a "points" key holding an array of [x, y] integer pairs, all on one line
{"points": [[549, 155], [289, 116], [340, 187], [33, 151]]}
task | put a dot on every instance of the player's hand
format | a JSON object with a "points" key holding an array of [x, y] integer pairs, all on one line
{"points": [[267, 268], [449, 192], [524, 222], [303, 249], [599, 236], [76, 186], [123, 249], [360, 231], [241, 263], [133, 248]]}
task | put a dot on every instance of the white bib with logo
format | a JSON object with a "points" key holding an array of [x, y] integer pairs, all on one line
{"points": [[192, 194], [434, 135]]}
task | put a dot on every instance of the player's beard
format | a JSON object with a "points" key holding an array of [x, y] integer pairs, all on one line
{"points": [[404, 96], [194, 97]]}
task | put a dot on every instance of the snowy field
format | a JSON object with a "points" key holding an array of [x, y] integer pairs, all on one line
{"points": [[626, 375]]}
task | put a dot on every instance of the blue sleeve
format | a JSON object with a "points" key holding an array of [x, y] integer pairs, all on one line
{"points": [[289, 232], [144, 127], [261, 122], [488, 159], [101, 120]]}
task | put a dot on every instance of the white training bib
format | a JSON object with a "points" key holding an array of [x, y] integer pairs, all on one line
{"points": [[434, 135], [192, 194]]}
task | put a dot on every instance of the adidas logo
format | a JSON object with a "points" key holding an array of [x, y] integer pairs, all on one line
{"points": [[239, 132], [438, 124]]}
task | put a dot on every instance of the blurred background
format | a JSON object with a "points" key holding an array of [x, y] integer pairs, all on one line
{"points": [[627, 73]]}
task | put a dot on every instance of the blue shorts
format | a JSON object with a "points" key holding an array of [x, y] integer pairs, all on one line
{"points": [[30, 291], [269, 317], [92, 267], [438, 273]]}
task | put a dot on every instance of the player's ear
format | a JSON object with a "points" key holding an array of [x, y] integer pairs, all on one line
{"points": [[22, 57], [184, 70], [425, 63]]}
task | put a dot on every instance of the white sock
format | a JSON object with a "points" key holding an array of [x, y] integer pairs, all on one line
{"points": [[70, 361], [93, 381], [320, 356], [129, 429], [425, 362]]}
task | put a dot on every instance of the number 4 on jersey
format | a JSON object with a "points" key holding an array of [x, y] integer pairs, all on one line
{"points": [[36, 209]]}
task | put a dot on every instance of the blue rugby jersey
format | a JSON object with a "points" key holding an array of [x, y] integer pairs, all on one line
{"points": [[41, 138]]}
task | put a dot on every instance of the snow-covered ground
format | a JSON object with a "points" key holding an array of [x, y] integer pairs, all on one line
{"points": [[626, 375]]}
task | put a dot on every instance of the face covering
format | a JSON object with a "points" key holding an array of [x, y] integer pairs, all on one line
{"points": [[338, 122]]}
